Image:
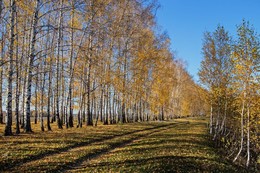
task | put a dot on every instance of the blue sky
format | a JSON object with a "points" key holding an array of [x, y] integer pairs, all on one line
{"points": [[185, 21]]}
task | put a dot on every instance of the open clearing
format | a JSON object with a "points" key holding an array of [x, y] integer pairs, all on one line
{"points": [[172, 146]]}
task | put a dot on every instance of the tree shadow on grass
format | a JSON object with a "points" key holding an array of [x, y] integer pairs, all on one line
{"points": [[9, 163]]}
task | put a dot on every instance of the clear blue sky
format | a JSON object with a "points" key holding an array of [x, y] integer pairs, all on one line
{"points": [[185, 21]]}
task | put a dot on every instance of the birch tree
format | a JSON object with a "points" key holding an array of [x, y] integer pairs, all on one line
{"points": [[59, 122], [30, 67], [246, 70], [8, 126]]}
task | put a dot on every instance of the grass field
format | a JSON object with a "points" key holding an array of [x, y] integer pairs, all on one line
{"points": [[174, 146]]}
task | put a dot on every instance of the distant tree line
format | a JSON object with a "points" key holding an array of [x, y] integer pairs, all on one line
{"points": [[230, 71], [101, 59]]}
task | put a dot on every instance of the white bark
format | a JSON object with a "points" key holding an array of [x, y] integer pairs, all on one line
{"points": [[58, 68], [211, 119], [242, 129], [30, 68], [8, 127], [248, 136]]}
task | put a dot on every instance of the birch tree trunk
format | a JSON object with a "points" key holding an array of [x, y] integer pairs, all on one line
{"points": [[89, 116], [43, 74], [8, 126], [62, 89], [23, 73], [248, 136], [211, 119], [49, 86], [49, 96], [18, 81], [30, 68], [36, 96], [222, 130], [69, 119], [59, 123], [123, 113], [242, 128]]}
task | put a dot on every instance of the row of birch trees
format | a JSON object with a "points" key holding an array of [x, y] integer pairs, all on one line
{"points": [[230, 71], [86, 61]]}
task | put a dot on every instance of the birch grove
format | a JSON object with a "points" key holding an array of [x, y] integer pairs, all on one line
{"points": [[230, 71], [89, 61]]}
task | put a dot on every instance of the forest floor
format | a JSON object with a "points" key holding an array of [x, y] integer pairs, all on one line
{"points": [[172, 146]]}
